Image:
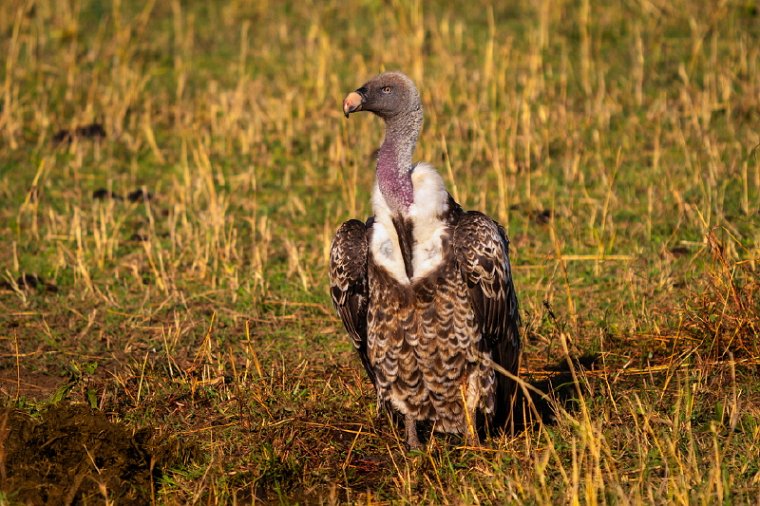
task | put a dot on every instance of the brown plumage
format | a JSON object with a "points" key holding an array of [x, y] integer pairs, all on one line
{"points": [[424, 288]]}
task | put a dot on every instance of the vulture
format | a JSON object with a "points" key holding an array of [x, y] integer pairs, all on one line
{"points": [[424, 288]]}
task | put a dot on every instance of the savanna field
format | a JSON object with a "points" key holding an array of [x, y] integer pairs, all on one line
{"points": [[172, 174]]}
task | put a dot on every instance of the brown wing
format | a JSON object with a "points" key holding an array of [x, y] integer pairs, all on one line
{"points": [[482, 251], [348, 284]]}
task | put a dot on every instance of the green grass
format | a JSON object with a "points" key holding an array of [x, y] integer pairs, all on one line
{"points": [[617, 143]]}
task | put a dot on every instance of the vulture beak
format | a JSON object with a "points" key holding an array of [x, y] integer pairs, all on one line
{"points": [[352, 103]]}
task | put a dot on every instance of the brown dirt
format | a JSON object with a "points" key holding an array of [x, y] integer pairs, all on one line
{"points": [[32, 385], [73, 455]]}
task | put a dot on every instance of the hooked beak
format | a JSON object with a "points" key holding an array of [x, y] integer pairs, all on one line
{"points": [[352, 103]]}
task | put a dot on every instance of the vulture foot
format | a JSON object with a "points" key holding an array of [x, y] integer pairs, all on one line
{"points": [[411, 433]]}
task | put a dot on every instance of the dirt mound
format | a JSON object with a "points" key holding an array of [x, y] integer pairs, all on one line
{"points": [[72, 455]]}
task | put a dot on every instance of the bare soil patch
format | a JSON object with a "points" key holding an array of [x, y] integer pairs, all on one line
{"points": [[73, 455]]}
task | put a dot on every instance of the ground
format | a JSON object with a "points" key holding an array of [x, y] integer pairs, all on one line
{"points": [[171, 174]]}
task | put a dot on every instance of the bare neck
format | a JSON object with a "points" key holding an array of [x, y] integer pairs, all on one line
{"points": [[394, 160]]}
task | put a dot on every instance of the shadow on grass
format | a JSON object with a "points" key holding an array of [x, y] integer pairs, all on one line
{"points": [[558, 389]]}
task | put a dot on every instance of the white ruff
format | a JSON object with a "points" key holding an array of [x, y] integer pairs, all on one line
{"points": [[384, 247], [430, 202]]}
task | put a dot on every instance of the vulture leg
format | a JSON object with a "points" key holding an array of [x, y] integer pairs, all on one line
{"points": [[471, 437], [411, 433]]}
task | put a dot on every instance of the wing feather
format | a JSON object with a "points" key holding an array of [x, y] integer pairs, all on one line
{"points": [[348, 284], [482, 250]]}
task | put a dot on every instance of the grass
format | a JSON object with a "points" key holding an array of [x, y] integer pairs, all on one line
{"points": [[617, 143]]}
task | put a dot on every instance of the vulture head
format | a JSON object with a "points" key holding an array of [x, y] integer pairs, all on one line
{"points": [[389, 95]]}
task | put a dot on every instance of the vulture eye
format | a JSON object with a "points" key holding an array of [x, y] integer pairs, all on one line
{"points": [[386, 89]]}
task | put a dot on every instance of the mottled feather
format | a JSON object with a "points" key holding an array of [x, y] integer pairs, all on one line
{"points": [[348, 284], [482, 251]]}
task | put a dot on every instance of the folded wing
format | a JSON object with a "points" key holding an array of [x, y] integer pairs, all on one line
{"points": [[348, 284], [482, 251]]}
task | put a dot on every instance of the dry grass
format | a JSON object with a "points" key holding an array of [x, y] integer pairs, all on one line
{"points": [[618, 144]]}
